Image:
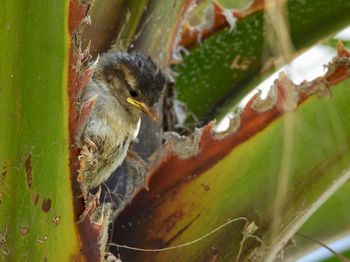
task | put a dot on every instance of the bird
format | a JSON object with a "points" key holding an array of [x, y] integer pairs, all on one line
{"points": [[124, 85]]}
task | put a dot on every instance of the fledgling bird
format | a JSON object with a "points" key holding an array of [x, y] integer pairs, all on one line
{"points": [[124, 85]]}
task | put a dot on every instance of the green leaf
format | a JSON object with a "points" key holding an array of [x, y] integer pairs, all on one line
{"points": [[218, 72], [36, 212], [159, 29], [113, 24], [329, 223]]}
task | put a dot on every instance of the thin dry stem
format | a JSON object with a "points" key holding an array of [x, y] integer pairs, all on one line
{"points": [[336, 254], [280, 42], [184, 244], [278, 31]]}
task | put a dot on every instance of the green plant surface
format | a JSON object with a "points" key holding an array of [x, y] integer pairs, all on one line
{"points": [[36, 212], [239, 4], [334, 259], [333, 43], [145, 26], [330, 222], [159, 29], [135, 10], [218, 72], [113, 24], [272, 183], [320, 225]]}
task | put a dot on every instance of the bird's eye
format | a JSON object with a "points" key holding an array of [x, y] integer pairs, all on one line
{"points": [[133, 93]]}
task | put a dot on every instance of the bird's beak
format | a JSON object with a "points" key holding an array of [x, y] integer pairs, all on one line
{"points": [[144, 108]]}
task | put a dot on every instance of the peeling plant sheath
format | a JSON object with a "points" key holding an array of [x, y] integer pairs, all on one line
{"points": [[79, 75], [189, 37]]}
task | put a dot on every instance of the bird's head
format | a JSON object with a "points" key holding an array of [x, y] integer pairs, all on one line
{"points": [[134, 79]]}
